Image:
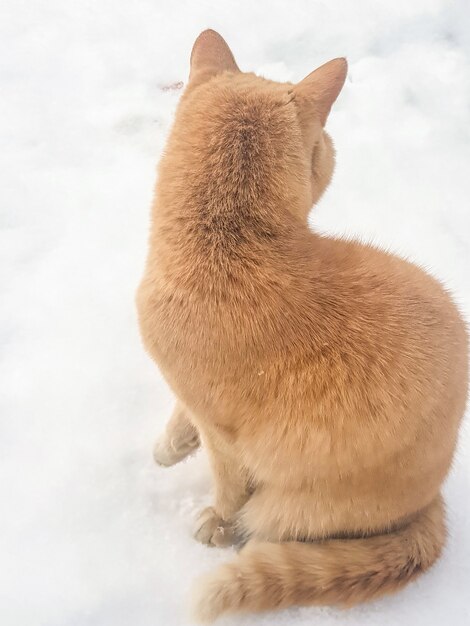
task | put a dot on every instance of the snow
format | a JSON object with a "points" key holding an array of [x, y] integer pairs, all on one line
{"points": [[91, 532]]}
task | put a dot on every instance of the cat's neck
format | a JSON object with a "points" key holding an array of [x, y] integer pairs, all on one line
{"points": [[214, 237], [227, 200]]}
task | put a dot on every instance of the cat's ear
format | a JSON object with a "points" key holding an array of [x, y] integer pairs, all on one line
{"points": [[316, 93], [210, 56]]}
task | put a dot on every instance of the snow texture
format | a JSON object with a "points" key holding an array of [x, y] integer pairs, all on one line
{"points": [[92, 533]]}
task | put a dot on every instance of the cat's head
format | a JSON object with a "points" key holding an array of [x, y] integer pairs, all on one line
{"points": [[275, 129]]}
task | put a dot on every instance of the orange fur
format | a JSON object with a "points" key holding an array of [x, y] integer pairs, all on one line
{"points": [[326, 378]]}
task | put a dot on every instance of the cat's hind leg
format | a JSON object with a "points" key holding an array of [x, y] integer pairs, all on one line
{"points": [[179, 439]]}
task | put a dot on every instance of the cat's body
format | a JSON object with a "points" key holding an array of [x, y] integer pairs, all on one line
{"points": [[326, 378]]}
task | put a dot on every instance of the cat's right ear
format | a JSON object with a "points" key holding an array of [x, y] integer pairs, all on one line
{"points": [[210, 56], [316, 93]]}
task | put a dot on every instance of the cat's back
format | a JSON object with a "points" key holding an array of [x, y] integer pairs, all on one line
{"points": [[395, 334], [322, 304], [389, 305]]}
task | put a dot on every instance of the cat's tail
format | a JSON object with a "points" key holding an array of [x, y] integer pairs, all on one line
{"points": [[332, 572]]}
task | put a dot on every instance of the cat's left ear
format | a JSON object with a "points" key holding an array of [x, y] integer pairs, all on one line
{"points": [[316, 93], [210, 56]]}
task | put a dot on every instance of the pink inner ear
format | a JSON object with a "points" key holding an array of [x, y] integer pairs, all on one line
{"points": [[211, 54]]}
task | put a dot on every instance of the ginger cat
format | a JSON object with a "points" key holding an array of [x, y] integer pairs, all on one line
{"points": [[325, 378]]}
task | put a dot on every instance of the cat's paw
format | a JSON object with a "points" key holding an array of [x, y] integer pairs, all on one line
{"points": [[212, 530], [167, 451]]}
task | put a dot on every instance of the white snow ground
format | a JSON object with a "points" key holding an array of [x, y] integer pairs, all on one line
{"points": [[91, 532]]}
